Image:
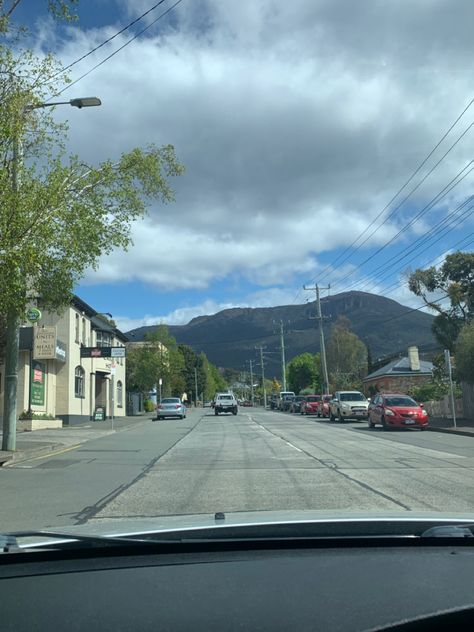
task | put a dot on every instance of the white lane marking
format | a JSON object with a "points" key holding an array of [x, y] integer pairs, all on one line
{"points": [[266, 430]]}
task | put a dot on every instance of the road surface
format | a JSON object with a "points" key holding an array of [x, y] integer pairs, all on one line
{"points": [[257, 460]]}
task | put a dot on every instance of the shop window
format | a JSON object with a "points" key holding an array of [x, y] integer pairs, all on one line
{"points": [[119, 394], [79, 382], [103, 339]]}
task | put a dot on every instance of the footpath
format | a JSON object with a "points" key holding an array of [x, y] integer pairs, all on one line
{"points": [[463, 426], [43, 442]]}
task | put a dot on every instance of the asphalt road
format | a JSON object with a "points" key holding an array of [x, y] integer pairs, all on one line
{"points": [[257, 460]]}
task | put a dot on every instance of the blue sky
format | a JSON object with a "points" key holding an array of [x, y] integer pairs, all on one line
{"points": [[296, 123]]}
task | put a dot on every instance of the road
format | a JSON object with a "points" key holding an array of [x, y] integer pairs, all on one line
{"points": [[257, 460]]}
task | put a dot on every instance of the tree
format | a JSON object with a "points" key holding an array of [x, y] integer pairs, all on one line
{"points": [[303, 371], [346, 356], [465, 354], [58, 215], [276, 386], [454, 280]]}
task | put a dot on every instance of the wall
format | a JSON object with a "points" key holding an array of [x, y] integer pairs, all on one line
{"points": [[396, 384]]}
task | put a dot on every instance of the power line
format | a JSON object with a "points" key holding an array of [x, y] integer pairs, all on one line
{"points": [[109, 39], [120, 48]]}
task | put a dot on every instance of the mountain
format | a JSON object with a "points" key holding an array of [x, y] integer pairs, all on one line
{"points": [[229, 337]]}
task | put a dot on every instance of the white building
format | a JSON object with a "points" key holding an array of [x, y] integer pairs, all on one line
{"points": [[63, 383]]}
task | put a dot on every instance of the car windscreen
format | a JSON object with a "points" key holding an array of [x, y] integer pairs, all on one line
{"points": [[225, 397], [171, 400], [352, 397], [400, 401], [313, 398]]}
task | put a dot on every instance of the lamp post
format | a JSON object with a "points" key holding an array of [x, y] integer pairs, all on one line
{"points": [[13, 319]]}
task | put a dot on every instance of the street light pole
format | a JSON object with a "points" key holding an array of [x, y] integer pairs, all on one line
{"points": [[12, 346], [196, 386]]}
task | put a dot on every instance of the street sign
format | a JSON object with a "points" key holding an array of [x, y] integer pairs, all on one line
{"points": [[102, 352], [33, 315], [160, 381]]}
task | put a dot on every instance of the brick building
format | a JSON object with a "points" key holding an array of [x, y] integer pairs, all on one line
{"points": [[400, 375]]}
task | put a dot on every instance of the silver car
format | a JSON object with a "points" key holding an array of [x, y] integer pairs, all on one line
{"points": [[171, 407]]}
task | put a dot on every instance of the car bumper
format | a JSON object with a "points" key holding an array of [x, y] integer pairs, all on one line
{"points": [[349, 414], [170, 413], [407, 423]]}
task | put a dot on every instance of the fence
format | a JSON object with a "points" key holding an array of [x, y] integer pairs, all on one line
{"points": [[442, 409]]}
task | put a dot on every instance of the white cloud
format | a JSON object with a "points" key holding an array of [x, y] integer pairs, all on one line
{"points": [[296, 123]]}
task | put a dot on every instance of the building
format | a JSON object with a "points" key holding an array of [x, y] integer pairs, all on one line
{"points": [[400, 375], [63, 383]]}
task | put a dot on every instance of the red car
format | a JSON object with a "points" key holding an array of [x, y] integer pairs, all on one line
{"points": [[310, 405], [323, 408], [395, 410]]}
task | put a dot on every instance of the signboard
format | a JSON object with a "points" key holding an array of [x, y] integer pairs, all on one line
{"points": [[102, 352], [44, 345], [99, 413], [60, 351], [33, 315], [38, 378]]}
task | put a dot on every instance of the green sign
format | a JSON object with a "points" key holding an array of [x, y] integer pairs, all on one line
{"points": [[38, 379], [33, 315]]}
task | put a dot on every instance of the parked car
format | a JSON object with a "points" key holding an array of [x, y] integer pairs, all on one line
{"points": [[171, 407], [273, 403], [281, 398], [247, 403], [310, 405], [348, 405], [395, 410], [323, 408], [286, 402], [295, 405]]}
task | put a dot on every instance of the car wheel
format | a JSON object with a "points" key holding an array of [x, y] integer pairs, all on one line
{"points": [[339, 416], [384, 424], [331, 416], [216, 413], [370, 422]]}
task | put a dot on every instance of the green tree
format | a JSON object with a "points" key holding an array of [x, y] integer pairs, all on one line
{"points": [[346, 356], [58, 214], [465, 354], [303, 371], [454, 280]]}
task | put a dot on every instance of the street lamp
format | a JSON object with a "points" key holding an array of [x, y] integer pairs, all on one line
{"points": [[13, 320]]}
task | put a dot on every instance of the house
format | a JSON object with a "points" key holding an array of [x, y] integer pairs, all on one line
{"points": [[400, 375], [54, 376]]}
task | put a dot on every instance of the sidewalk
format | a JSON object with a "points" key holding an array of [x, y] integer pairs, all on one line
{"points": [[463, 426], [31, 445]]}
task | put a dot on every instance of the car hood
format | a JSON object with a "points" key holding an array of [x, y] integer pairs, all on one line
{"points": [[324, 522]]}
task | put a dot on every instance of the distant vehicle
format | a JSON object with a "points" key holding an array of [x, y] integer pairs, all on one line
{"points": [[207, 404], [225, 403], [295, 405], [323, 408], [171, 407], [283, 395], [273, 402], [395, 410], [286, 402], [247, 403], [310, 405], [348, 405]]}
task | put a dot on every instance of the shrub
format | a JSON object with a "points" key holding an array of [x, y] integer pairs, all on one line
{"points": [[148, 405], [32, 415]]}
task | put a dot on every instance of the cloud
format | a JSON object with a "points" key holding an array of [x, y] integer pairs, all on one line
{"points": [[296, 123]]}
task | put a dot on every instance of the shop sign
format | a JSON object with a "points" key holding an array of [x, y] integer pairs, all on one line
{"points": [[45, 342], [38, 379]]}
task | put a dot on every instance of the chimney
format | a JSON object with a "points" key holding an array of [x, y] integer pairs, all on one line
{"points": [[413, 358]]}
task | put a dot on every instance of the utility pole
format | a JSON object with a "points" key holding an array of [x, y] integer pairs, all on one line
{"points": [[322, 345], [251, 381], [263, 376], [196, 386], [283, 363], [447, 359]]}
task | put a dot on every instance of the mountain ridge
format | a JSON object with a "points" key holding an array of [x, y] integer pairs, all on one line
{"points": [[228, 338]]}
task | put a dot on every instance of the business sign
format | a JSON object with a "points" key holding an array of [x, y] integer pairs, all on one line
{"points": [[60, 351], [38, 379], [33, 315], [45, 343], [102, 352]]}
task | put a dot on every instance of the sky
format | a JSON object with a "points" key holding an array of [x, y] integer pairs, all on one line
{"points": [[297, 124]]}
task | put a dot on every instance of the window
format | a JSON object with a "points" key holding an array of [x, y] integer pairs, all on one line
{"points": [[77, 328], [103, 339], [79, 382], [84, 331], [119, 394]]}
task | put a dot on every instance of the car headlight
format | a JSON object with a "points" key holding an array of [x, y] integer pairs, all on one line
{"points": [[389, 412], [424, 412]]}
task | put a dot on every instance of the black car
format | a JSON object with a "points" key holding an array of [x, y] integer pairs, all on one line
{"points": [[295, 406], [287, 402]]}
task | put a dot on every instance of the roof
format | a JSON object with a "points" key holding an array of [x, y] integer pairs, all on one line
{"points": [[401, 366], [97, 321]]}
